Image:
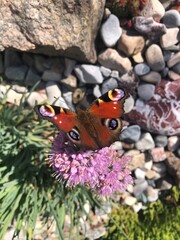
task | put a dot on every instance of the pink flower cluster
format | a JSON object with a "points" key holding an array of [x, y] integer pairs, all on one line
{"points": [[104, 170]]}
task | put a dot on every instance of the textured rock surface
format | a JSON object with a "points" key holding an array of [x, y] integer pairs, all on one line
{"points": [[52, 27], [161, 113]]}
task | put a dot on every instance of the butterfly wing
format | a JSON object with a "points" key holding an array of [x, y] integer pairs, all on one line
{"points": [[106, 112], [63, 118]]}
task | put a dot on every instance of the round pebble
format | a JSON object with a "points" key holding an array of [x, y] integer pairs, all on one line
{"points": [[154, 57], [110, 31], [170, 38], [160, 141], [171, 18], [152, 77], [146, 91], [146, 142], [109, 84], [131, 134], [141, 69]]}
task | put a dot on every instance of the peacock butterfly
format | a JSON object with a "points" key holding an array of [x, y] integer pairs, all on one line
{"points": [[94, 128]]}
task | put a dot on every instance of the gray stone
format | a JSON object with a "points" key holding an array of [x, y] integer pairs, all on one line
{"points": [[109, 84], [173, 76], [141, 69], [32, 77], [160, 141], [51, 75], [154, 57], [146, 142], [115, 74], [39, 63], [106, 72], [96, 91], [173, 143], [111, 31], [69, 66], [159, 167], [146, 91], [12, 58], [16, 73], [70, 82], [87, 73], [128, 104], [164, 72], [167, 55], [171, 18], [67, 96], [130, 201], [54, 94], [152, 77], [28, 59], [139, 189], [176, 68], [131, 134]]}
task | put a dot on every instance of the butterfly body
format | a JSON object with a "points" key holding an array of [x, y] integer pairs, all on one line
{"points": [[94, 128]]}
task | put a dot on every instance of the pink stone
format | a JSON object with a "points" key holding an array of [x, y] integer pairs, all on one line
{"points": [[158, 154], [161, 113]]}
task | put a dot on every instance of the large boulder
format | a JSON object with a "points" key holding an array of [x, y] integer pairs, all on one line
{"points": [[58, 27]]}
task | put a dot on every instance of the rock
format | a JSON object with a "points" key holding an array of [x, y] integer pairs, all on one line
{"points": [[146, 142], [51, 75], [164, 72], [96, 91], [161, 141], [115, 74], [159, 114], [158, 154], [106, 72], [78, 95], [129, 78], [70, 82], [32, 77], [18, 88], [153, 9], [171, 19], [35, 98], [152, 77], [148, 165], [130, 201], [139, 189], [128, 104], [28, 59], [67, 96], [130, 43], [173, 76], [148, 26], [39, 61], [137, 207], [146, 91], [111, 31], [110, 58], [54, 94], [139, 173], [11, 95], [87, 73], [70, 32], [173, 143], [173, 167], [164, 184], [131, 134], [174, 60], [16, 73], [117, 145], [12, 58], [150, 174], [159, 167], [152, 194], [109, 84], [170, 38], [141, 69], [138, 58], [138, 159], [69, 66], [167, 55], [154, 57], [176, 68]]}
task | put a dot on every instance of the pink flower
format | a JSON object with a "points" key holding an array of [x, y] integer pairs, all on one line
{"points": [[104, 170]]}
